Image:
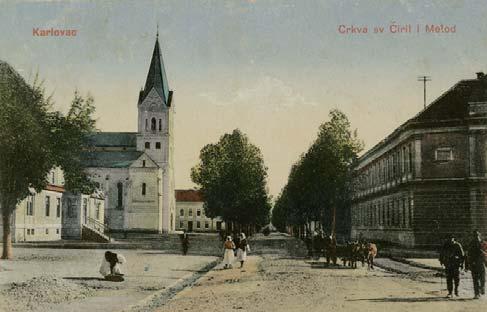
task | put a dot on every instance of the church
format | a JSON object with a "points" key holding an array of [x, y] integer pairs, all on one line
{"points": [[135, 169]]}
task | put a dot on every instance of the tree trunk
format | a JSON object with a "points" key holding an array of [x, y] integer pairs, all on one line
{"points": [[7, 252]]}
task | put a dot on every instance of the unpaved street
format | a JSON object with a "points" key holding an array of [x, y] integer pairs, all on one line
{"points": [[273, 284]]}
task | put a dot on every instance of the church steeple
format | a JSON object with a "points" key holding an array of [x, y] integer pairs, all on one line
{"points": [[156, 78]]}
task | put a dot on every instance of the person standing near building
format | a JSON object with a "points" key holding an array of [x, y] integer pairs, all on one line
{"points": [[228, 255], [476, 260], [243, 247], [452, 258], [185, 242]]}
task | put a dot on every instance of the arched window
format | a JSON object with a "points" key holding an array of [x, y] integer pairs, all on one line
{"points": [[153, 124], [160, 124], [144, 186], [146, 124], [120, 195], [147, 145]]}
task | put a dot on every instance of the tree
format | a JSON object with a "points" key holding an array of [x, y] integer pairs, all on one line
{"points": [[319, 185], [232, 178], [33, 140]]}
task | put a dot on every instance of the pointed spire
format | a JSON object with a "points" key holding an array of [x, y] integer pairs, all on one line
{"points": [[156, 78]]}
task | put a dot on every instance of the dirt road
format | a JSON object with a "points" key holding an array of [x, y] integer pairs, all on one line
{"points": [[273, 284]]}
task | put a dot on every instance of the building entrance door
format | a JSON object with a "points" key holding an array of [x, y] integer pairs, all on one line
{"points": [[190, 226]]}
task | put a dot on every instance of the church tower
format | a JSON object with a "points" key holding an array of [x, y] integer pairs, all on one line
{"points": [[155, 132]]}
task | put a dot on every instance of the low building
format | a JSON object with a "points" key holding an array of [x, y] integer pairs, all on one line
{"points": [[83, 214], [39, 216], [427, 179], [191, 216]]}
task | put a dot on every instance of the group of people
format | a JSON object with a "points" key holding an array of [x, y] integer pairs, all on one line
{"points": [[320, 244], [235, 248], [453, 258]]}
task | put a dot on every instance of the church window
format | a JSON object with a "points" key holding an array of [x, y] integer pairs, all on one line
{"points": [[147, 145], [144, 188], [120, 195], [153, 124], [158, 145], [30, 205], [143, 163], [48, 205], [146, 124], [181, 212], [160, 124]]}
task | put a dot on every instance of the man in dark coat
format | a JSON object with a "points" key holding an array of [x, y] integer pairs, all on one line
{"points": [[476, 264], [452, 258]]}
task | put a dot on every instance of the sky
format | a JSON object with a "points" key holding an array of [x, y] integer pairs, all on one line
{"points": [[272, 68]]}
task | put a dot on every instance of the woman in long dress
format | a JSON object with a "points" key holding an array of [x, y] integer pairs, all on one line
{"points": [[228, 256], [243, 248]]}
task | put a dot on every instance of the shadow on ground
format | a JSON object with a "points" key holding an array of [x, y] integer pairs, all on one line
{"points": [[411, 299]]}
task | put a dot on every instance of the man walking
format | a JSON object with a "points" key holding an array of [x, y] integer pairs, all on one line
{"points": [[452, 258], [476, 264]]}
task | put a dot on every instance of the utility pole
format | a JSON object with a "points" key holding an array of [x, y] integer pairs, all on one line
{"points": [[424, 79]]}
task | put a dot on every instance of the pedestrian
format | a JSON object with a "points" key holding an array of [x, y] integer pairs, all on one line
{"points": [[371, 254], [243, 248], [228, 255], [476, 257], [452, 258], [185, 242], [110, 266]]}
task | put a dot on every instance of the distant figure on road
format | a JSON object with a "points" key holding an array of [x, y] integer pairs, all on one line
{"points": [[452, 257], [110, 266], [243, 248], [228, 255], [476, 260], [185, 242], [372, 253], [331, 250]]}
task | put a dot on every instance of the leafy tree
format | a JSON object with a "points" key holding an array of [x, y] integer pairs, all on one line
{"points": [[319, 185], [33, 140], [232, 178]]}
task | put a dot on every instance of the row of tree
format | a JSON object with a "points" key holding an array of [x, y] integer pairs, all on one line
{"points": [[34, 139], [320, 183], [232, 178]]}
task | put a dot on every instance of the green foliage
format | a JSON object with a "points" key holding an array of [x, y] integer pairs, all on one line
{"points": [[232, 177], [321, 179]]}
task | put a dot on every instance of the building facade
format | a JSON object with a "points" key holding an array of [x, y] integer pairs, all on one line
{"points": [[135, 169], [191, 213], [39, 216], [427, 179]]}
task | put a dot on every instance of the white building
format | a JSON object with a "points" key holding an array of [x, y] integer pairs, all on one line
{"points": [[135, 169], [191, 214], [39, 216]]}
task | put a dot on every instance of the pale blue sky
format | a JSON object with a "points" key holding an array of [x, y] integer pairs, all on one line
{"points": [[271, 68]]}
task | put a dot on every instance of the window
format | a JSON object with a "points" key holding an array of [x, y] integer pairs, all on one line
{"points": [[32, 231], [190, 212], [181, 224], [198, 224], [30, 205], [47, 231], [48, 205], [146, 124], [160, 124], [58, 207], [28, 231], [143, 163], [71, 207], [57, 231], [410, 158], [181, 212], [85, 209], [120, 195], [144, 188], [198, 212], [207, 225], [153, 124], [147, 145], [98, 206], [444, 154], [158, 145]]}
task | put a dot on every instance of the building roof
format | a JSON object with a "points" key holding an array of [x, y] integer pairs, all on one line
{"points": [[450, 106], [156, 78], [189, 196], [109, 159], [114, 139]]}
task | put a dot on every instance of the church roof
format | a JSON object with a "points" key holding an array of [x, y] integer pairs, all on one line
{"points": [[189, 196], [114, 139], [109, 159], [156, 78]]}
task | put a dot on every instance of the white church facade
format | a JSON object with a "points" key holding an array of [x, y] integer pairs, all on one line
{"points": [[135, 169]]}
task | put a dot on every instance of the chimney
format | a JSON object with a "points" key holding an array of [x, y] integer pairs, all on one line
{"points": [[480, 75]]}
